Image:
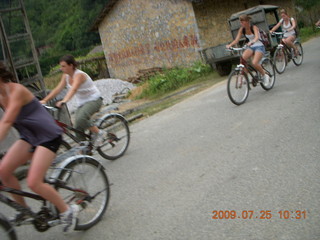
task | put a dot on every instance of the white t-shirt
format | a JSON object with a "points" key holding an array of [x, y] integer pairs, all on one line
{"points": [[87, 91], [285, 28]]}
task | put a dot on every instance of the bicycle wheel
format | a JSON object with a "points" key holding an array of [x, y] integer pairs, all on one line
{"points": [[238, 87], [280, 60], [7, 232], [299, 58], [269, 68], [88, 177], [117, 136]]}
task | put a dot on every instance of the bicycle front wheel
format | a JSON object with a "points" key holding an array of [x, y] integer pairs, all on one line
{"points": [[7, 232], [117, 136], [269, 69], [280, 60], [297, 60], [238, 87], [86, 185]]}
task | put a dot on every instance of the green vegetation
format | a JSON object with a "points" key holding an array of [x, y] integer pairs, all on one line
{"points": [[63, 27], [172, 79], [307, 33]]}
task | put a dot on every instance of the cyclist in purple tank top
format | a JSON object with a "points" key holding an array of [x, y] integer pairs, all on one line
{"points": [[40, 138]]}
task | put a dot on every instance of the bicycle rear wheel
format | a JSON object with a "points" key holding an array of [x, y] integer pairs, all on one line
{"points": [[280, 60], [299, 58], [269, 68], [117, 136], [7, 232], [87, 176], [238, 87]]}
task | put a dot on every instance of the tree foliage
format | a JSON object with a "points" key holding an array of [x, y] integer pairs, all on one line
{"points": [[63, 27]]}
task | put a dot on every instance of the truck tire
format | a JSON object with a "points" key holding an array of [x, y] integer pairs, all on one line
{"points": [[224, 69]]}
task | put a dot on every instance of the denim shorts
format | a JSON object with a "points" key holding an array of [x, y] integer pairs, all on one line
{"points": [[258, 49]]}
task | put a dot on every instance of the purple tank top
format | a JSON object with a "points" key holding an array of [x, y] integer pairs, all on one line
{"points": [[36, 125]]}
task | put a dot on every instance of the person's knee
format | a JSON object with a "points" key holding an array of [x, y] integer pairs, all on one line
{"points": [[5, 173], [33, 184]]}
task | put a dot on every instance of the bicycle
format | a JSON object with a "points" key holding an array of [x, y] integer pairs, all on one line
{"points": [[283, 54], [238, 85], [116, 136], [80, 179]]}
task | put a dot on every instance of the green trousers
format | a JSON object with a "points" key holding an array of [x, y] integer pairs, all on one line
{"points": [[83, 116]]}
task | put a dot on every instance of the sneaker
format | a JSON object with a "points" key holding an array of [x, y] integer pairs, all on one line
{"points": [[266, 79], [98, 139], [69, 218]]}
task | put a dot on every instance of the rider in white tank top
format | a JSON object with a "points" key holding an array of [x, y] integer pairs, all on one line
{"points": [[87, 91]]}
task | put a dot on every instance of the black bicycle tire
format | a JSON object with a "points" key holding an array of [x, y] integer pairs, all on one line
{"points": [[285, 60], [229, 88], [79, 226], [8, 228], [270, 74], [295, 59], [126, 127]]}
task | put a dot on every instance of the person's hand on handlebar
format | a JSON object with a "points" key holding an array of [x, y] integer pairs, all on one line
{"points": [[59, 104]]}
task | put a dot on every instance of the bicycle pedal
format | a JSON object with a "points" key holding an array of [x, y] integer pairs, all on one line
{"points": [[54, 223]]}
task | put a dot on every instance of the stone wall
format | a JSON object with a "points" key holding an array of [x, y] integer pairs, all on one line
{"points": [[212, 17], [141, 34]]}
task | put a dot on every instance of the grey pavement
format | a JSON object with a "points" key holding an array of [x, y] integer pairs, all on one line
{"points": [[205, 155]]}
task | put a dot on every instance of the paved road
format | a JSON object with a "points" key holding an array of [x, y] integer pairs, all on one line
{"points": [[206, 154]]}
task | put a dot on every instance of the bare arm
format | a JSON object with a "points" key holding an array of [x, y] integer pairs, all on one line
{"points": [[236, 40], [275, 27], [77, 81], [293, 23], [256, 35], [56, 90], [19, 96]]}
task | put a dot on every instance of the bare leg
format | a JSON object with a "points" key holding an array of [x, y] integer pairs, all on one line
{"points": [[289, 41], [41, 161], [17, 155], [256, 62]]}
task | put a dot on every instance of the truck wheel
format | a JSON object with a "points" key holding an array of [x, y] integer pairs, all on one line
{"points": [[224, 69]]}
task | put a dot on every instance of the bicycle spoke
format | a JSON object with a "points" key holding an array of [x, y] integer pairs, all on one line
{"points": [[117, 136], [91, 190], [238, 88]]}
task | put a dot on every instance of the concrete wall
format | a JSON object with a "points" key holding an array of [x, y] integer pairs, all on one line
{"points": [[141, 34], [212, 17]]}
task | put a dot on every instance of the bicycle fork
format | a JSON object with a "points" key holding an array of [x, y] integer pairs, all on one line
{"points": [[240, 76]]}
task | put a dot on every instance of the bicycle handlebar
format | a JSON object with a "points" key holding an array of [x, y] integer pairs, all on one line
{"points": [[237, 49]]}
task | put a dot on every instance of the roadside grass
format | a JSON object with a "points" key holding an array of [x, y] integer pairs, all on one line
{"points": [[170, 80], [307, 33], [172, 97]]}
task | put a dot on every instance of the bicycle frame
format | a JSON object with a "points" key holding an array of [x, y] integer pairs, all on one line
{"points": [[247, 68], [46, 217], [69, 129]]}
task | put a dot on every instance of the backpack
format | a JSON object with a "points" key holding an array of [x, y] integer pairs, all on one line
{"points": [[264, 38]]}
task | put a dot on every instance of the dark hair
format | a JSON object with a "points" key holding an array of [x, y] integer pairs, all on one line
{"points": [[69, 59], [5, 75]]}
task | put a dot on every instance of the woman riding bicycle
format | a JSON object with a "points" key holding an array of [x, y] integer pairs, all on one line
{"points": [[288, 25], [40, 138], [255, 48], [87, 94]]}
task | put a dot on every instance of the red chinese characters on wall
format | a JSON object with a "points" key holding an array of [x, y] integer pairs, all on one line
{"points": [[190, 41]]}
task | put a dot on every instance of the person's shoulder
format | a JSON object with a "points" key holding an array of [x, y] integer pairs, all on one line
{"points": [[20, 92]]}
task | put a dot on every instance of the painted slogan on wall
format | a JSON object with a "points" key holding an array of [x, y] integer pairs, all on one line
{"points": [[187, 41]]}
